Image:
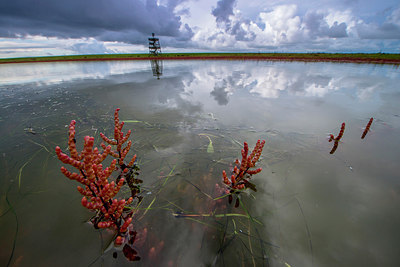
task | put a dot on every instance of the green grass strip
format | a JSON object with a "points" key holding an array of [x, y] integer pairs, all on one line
{"points": [[379, 58]]}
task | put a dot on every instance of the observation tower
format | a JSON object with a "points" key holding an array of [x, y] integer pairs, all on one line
{"points": [[154, 45]]}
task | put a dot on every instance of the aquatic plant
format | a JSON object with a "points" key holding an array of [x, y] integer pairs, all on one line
{"points": [[366, 130], [337, 138], [335, 146], [101, 186], [99, 194], [241, 173]]}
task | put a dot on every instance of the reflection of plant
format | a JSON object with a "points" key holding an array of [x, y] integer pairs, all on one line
{"points": [[239, 179], [98, 193]]}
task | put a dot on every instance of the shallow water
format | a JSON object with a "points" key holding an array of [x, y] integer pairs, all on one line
{"points": [[312, 208]]}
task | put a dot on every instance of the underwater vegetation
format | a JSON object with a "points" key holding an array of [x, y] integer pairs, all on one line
{"points": [[239, 179], [100, 187], [99, 194], [105, 170]]}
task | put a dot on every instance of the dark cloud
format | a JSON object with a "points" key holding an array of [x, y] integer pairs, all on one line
{"points": [[223, 13], [384, 31], [318, 27], [337, 30], [223, 10], [313, 21], [122, 20], [389, 29], [242, 34], [350, 2]]}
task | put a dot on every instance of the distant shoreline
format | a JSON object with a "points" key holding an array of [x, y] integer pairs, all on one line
{"points": [[362, 58]]}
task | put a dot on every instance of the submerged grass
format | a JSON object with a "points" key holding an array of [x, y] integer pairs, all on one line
{"points": [[19, 176], [16, 228], [234, 229]]}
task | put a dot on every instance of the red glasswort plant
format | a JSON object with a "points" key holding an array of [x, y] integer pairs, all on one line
{"points": [[366, 130], [99, 194], [336, 139], [241, 174], [340, 135]]}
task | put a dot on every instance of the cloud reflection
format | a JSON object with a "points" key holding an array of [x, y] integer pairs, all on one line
{"points": [[220, 95], [219, 80], [59, 72], [299, 79]]}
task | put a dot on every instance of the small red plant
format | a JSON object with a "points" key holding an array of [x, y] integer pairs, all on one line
{"points": [[335, 146], [366, 130], [340, 135], [336, 139], [99, 194], [241, 174]]}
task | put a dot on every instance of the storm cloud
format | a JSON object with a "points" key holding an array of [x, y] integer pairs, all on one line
{"points": [[390, 29], [122, 20], [235, 26], [318, 27], [223, 10]]}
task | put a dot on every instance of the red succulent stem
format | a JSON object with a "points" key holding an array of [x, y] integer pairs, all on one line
{"points": [[98, 193], [340, 135], [238, 178], [367, 128]]}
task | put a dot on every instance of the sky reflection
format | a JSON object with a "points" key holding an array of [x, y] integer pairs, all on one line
{"points": [[265, 79]]}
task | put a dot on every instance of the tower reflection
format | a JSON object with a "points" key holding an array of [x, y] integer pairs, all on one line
{"points": [[157, 68]]}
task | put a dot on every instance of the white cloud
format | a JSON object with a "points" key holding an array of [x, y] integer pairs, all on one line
{"points": [[50, 46], [91, 47], [271, 84], [282, 24]]}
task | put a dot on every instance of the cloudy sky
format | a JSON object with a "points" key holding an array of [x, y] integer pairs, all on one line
{"points": [[48, 27]]}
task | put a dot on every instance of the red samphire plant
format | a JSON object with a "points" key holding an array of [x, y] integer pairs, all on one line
{"points": [[99, 194], [366, 130], [242, 171], [337, 138]]}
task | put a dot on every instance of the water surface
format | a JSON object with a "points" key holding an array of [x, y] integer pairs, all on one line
{"points": [[312, 208]]}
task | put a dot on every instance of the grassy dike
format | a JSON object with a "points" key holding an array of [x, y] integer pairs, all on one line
{"points": [[377, 58]]}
